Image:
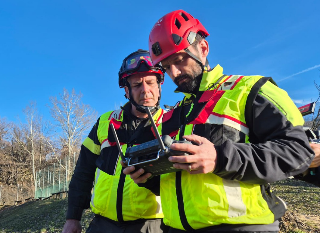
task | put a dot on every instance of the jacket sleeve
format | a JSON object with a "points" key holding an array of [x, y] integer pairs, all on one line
{"points": [[278, 146], [81, 184]]}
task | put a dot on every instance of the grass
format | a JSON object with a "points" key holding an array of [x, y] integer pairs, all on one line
{"points": [[303, 201], [45, 216], [48, 216]]}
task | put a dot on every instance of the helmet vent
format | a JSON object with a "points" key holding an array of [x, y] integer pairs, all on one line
{"points": [[184, 16], [177, 23], [156, 49], [177, 39]]}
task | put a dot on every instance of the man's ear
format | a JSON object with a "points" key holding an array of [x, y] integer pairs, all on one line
{"points": [[204, 49], [126, 89]]}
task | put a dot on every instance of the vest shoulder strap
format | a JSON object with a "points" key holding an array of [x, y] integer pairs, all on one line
{"points": [[251, 97]]}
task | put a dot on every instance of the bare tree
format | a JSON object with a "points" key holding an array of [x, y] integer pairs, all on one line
{"points": [[4, 128], [4, 144], [5, 149], [316, 120], [27, 136], [19, 143], [73, 118]]}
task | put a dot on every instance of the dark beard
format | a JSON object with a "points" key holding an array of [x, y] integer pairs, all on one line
{"points": [[191, 83]]}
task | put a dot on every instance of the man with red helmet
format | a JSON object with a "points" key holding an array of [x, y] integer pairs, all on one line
{"points": [[246, 131], [119, 204]]}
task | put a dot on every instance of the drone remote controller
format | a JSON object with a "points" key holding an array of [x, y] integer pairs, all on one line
{"points": [[152, 156]]}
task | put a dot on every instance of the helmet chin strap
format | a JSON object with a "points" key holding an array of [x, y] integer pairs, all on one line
{"points": [[142, 108], [203, 67]]}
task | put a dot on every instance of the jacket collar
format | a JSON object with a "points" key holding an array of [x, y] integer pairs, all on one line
{"points": [[208, 78]]}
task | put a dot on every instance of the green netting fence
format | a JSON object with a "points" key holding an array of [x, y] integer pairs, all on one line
{"points": [[54, 178]]}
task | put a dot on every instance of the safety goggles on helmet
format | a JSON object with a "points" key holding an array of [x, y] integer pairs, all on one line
{"points": [[136, 62], [133, 62]]}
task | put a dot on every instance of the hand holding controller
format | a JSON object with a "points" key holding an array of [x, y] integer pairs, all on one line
{"points": [[152, 156]]}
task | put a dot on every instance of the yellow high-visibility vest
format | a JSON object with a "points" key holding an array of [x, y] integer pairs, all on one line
{"points": [[208, 199], [137, 202]]}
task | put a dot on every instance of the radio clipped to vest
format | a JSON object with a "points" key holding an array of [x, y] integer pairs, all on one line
{"points": [[152, 156]]}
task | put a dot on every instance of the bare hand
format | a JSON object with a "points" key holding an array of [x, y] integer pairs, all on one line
{"points": [[316, 160], [137, 176], [72, 226], [123, 164], [202, 158]]}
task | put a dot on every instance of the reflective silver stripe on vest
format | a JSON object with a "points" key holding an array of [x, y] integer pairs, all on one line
{"points": [[213, 119], [233, 193], [159, 208], [97, 177], [116, 114], [105, 144], [229, 83]]}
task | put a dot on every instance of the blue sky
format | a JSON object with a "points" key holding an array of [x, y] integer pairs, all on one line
{"points": [[46, 46]]}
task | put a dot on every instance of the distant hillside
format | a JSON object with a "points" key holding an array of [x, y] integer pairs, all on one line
{"points": [[48, 216]]}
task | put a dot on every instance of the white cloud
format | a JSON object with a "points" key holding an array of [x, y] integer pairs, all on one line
{"points": [[298, 101], [303, 71]]}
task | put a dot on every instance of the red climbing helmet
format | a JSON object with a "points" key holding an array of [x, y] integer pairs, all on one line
{"points": [[173, 32]]}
